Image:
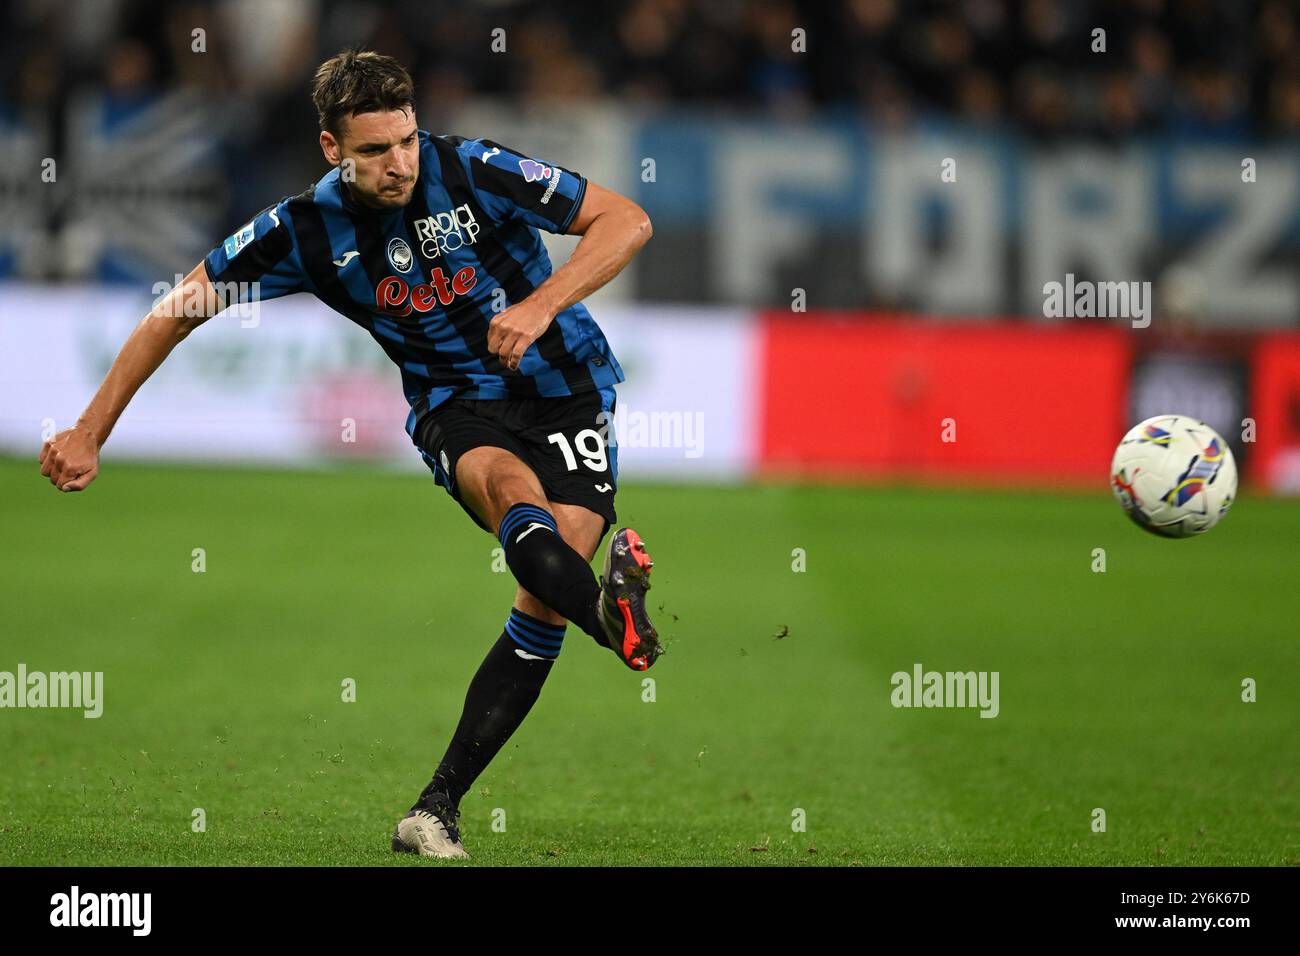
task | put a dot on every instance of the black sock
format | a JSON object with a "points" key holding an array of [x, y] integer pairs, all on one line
{"points": [[548, 568], [500, 695]]}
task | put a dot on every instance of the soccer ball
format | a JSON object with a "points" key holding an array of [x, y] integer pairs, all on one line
{"points": [[1174, 476]]}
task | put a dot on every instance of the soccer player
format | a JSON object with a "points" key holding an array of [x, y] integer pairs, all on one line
{"points": [[430, 243]]}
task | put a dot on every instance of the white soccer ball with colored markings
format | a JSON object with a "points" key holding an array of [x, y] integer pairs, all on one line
{"points": [[1174, 476]]}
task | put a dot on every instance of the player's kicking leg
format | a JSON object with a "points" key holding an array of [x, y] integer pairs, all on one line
{"points": [[507, 494], [625, 625], [548, 546]]}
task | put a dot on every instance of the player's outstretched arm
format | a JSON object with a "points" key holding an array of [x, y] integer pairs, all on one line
{"points": [[613, 230], [71, 458]]}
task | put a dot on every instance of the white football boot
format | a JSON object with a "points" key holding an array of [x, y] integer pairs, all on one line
{"points": [[430, 833]]}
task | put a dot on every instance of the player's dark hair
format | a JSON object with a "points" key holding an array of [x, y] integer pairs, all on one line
{"points": [[359, 81]]}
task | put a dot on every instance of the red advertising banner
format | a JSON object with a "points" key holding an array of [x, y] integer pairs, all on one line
{"points": [[871, 395], [1275, 409]]}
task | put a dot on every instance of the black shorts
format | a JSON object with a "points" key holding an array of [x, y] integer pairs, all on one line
{"points": [[565, 441]]}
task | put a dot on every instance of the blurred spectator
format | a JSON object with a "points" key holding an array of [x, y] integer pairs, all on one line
{"points": [[241, 69], [1207, 65]]}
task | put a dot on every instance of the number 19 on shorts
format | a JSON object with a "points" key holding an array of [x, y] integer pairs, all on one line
{"points": [[590, 445]]}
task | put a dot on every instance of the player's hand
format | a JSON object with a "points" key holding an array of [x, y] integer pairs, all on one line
{"points": [[70, 459], [514, 329]]}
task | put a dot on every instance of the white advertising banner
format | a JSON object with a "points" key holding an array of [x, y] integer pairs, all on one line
{"points": [[303, 385]]}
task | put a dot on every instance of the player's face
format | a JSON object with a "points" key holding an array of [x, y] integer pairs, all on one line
{"points": [[386, 155]]}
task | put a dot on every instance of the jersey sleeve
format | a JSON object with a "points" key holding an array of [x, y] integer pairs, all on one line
{"points": [[511, 185], [260, 261]]}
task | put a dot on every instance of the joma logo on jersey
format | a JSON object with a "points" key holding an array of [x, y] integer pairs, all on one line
{"points": [[395, 297], [446, 231]]}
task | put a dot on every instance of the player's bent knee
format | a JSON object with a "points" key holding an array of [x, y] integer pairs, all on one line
{"points": [[493, 480], [504, 491], [506, 494], [530, 605]]}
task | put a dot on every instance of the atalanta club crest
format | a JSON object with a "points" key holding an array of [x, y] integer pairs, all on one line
{"points": [[399, 254]]}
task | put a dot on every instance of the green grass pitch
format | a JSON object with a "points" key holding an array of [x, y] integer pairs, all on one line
{"points": [[1118, 690]]}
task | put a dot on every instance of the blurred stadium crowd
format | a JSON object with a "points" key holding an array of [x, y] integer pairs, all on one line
{"points": [[1226, 67], [172, 121]]}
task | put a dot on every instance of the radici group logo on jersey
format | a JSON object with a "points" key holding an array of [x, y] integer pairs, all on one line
{"points": [[445, 232]]}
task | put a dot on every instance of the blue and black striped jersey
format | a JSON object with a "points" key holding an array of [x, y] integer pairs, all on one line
{"points": [[423, 279]]}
